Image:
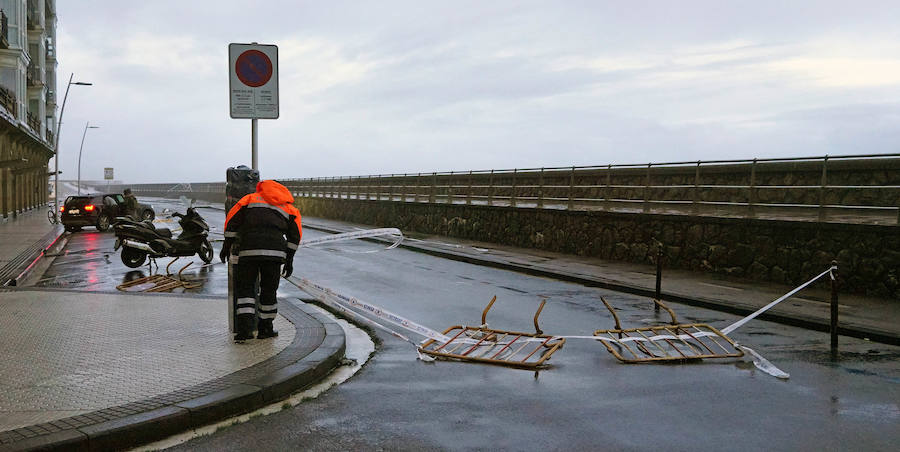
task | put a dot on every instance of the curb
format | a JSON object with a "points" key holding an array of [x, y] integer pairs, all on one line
{"points": [[105, 431], [807, 322], [19, 268]]}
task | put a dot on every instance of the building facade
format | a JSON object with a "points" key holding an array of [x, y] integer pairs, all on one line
{"points": [[27, 102]]}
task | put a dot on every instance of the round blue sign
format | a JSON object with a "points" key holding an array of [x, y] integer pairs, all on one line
{"points": [[253, 68]]}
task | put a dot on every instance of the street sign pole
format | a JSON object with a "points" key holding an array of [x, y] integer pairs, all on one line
{"points": [[253, 94], [254, 137]]}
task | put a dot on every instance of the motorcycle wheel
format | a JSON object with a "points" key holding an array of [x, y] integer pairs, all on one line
{"points": [[205, 252], [133, 258]]}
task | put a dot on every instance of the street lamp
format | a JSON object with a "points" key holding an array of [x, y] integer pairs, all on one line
{"points": [[56, 145], [86, 127]]}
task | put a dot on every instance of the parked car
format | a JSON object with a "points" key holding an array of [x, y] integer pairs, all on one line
{"points": [[98, 210], [145, 211]]}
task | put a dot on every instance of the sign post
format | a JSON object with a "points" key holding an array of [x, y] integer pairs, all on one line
{"points": [[252, 94], [107, 175], [253, 86]]}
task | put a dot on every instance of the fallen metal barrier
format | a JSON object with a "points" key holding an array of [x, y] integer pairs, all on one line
{"points": [[160, 283], [492, 346], [674, 342]]}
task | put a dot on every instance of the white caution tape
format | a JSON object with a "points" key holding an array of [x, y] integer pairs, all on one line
{"points": [[764, 364], [357, 235], [342, 303], [765, 308]]}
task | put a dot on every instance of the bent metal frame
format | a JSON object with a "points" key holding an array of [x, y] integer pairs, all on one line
{"points": [[673, 342], [491, 346]]}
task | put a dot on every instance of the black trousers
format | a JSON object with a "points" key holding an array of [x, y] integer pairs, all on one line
{"points": [[245, 274]]}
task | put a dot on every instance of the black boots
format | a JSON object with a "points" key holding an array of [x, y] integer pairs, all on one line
{"points": [[265, 330], [243, 327]]}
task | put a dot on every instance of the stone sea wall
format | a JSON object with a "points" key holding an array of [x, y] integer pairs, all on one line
{"points": [[787, 252]]}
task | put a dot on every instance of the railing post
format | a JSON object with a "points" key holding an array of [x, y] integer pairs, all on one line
{"points": [[540, 200], [751, 197], [490, 200], [450, 189], [696, 202], [647, 190], [572, 189], [391, 188], [659, 256], [512, 197], [418, 186], [834, 309], [608, 187], [822, 189], [469, 194], [432, 197]]}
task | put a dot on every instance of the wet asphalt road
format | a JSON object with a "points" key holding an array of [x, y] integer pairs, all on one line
{"points": [[586, 401]]}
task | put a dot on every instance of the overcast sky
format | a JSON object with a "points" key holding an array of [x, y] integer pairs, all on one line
{"points": [[394, 87]]}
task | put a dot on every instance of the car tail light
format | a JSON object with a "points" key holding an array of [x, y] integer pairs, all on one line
{"points": [[89, 207], [62, 208]]}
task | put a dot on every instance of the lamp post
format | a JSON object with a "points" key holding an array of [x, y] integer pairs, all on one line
{"points": [[86, 127], [56, 145]]}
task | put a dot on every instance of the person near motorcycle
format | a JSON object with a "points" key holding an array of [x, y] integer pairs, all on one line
{"points": [[262, 232], [131, 204]]}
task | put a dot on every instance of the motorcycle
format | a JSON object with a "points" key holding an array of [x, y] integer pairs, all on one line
{"points": [[140, 239]]}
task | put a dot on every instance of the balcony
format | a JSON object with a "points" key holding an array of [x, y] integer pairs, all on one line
{"points": [[8, 100], [34, 76], [4, 30], [34, 16], [33, 122]]}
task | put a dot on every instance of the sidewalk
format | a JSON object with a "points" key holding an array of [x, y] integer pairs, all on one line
{"points": [[859, 316], [22, 240], [111, 370]]}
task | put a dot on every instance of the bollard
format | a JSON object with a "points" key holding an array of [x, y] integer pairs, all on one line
{"points": [[659, 255], [834, 309]]}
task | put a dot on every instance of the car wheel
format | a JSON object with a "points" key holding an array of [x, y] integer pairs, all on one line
{"points": [[148, 215], [103, 222], [133, 258], [205, 252], [73, 228]]}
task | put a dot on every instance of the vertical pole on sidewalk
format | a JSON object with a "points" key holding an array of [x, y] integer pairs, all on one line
{"points": [[834, 309], [254, 133], [659, 254]]}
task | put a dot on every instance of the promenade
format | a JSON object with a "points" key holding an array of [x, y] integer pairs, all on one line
{"points": [[101, 370]]}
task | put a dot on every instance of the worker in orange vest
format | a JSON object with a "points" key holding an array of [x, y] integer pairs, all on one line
{"points": [[262, 232]]}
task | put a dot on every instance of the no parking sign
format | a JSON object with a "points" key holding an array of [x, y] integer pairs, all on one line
{"points": [[253, 81]]}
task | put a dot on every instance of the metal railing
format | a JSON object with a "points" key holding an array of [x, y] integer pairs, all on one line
{"points": [[847, 188], [8, 100], [34, 75], [33, 122], [4, 30]]}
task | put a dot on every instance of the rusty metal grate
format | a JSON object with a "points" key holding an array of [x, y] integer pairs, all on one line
{"points": [[160, 283], [674, 342], [668, 343], [491, 346]]}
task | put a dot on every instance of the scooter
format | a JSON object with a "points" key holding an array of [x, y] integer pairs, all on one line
{"points": [[140, 239]]}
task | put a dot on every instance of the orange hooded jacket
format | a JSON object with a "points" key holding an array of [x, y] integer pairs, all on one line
{"points": [[265, 224]]}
